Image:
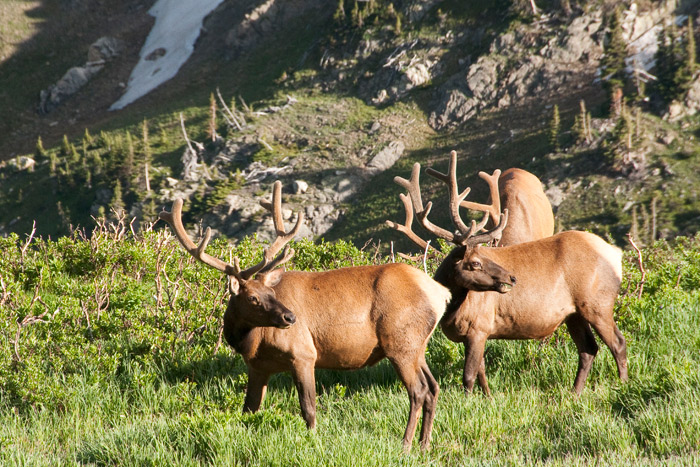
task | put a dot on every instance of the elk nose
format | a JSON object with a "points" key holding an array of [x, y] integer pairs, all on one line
{"points": [[289, 318], [512, 280]]}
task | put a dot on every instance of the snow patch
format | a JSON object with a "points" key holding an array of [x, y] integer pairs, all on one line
{"points": [[168, 46]]}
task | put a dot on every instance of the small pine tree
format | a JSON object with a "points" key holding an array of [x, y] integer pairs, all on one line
{"points": [[53, 163], [397, 25], [65, 146], [667, 64], [116, 204], [88, 139], [39, 151], [356, 15], [613, 63], [339, 15], [580, 124], [146, 156], [686, 62], [128, 166], [554, 129]]}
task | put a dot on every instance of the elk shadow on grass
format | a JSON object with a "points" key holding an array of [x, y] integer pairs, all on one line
{"points": [[231, 366]]}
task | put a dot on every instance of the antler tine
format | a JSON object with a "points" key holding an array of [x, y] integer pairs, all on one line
{"points": [[456, 198], [495, 207], [174, 219], [407, 227], [269, 261], [493, 234], [413, 188]]}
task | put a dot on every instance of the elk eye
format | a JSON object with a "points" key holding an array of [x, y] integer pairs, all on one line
{"points": [[253, 299], [476, 265]]}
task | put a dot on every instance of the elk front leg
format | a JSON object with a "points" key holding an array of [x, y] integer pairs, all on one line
{"points": [[305, 382], [474, 346], [257, 387]]}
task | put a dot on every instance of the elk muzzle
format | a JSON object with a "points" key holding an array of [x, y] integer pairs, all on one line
{"points": [[483, 275]]}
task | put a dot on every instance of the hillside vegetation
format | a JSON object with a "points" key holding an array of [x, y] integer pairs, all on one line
{"points": [[350, 77], [113, 356]]}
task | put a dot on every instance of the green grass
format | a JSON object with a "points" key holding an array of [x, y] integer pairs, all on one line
{"points": [[142, 381]]}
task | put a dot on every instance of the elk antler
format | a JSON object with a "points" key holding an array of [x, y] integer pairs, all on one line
{"points": [[174, 218], [466, 235], [494, 209], [269, 262]]}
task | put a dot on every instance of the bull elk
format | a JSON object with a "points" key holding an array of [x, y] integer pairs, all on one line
{"points": [[520, 192], [572, 277], [349, 318]]}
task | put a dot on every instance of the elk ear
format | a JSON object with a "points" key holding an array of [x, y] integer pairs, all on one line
{"points": [[272, 278], [234, 285]]}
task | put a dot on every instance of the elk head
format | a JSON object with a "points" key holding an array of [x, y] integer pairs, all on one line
{"points": [[471, 267], [253, 299]]}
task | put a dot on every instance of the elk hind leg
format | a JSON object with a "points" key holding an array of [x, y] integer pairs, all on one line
{"points": [[610, 334], [416, 382], [429, 405], [583, 337]]}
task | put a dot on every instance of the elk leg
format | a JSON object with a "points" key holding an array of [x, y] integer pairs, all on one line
{"points": [[481, 378], [473, 361], [255, 393], [429, 406], [416, 383], [581, 334], [613, 338], [305, 382]]}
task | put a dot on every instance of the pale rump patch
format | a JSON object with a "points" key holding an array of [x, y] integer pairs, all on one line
{"points": [[438, 295], [612, 254]]}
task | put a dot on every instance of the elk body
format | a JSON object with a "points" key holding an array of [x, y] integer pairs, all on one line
{"points": [[347, 318], [530, 215], [523, 291]]}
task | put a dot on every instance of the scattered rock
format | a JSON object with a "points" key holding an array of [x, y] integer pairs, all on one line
{"points": [[385, 158], [300, 187], [22, 163], [100, 52]]}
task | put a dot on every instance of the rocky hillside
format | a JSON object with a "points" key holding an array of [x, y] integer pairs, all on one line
{"points": [[337, 99]]}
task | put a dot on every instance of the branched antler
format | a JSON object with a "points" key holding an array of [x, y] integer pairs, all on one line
{"points": [[269, 261], [465, 235]]}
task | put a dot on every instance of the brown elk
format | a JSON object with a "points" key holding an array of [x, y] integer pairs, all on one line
{"points": [[572, 277], [349, 318], [530, 215]]}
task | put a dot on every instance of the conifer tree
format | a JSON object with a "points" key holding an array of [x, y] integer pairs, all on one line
{"points": [[88, 139], [146, 156], [128, 166], [65, 146], [116, 204], [667, 64], [554, 129], [339, 15], [39, 151], [613, 62], [686, 63]]}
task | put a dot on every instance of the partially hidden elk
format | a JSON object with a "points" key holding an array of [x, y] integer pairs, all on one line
{"points": [[348, 318], [521, 291], [530, 214]]}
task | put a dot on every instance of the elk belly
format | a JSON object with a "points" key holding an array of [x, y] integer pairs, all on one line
{"points": [[347, 346]]}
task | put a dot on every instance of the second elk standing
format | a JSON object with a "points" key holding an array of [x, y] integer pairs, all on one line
{"points": [[342, 319], [522, 291]]}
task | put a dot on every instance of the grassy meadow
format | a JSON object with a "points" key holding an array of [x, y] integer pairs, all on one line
{"points": [[112, 355]]}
